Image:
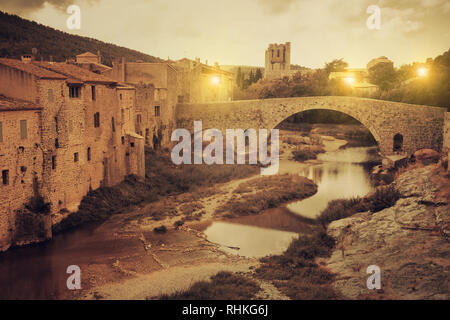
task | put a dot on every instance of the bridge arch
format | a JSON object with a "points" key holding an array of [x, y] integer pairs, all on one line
{"points": [[420, 126], [372, 130]]}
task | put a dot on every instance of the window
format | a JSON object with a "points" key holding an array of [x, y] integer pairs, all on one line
{"points": [[74, 91], [113, 125], [123, 140], [75, 157], [93, 92], [89, 154], [139, 118], [53, 162], [50, 95], [5, 177], [132, 144], [56, 143], [398, 142], [120, 96], [97, 119], [23, 129], [1, 132], [157, 111]]}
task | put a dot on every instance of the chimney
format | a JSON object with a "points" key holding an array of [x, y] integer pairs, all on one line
{"points": [[27, 58], [122, 70]]}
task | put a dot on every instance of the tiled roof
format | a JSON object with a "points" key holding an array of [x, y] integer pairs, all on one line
{"points": [[31, 69], [73, 71], [9, 104], [87, 54]]}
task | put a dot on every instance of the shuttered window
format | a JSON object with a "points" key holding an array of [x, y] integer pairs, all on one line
{"points": [[23, 129]]}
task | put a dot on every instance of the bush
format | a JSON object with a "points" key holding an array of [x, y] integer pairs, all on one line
{"points": [[301, 277], [341, 208], [384, 197]]}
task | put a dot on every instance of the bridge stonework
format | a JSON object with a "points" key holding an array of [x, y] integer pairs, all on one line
{"points": [[420, 126]]}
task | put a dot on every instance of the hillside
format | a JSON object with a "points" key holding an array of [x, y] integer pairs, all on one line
{"points": [[19, 36]]}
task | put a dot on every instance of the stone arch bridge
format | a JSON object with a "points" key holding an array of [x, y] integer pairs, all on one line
{"points": [[419, 126]]}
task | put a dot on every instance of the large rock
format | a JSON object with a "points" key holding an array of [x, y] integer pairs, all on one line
{"points": [[427, 156]]}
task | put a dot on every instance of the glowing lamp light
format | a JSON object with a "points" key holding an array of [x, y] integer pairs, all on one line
{"points": [[422, 72], [215, 80], [350, 81]]}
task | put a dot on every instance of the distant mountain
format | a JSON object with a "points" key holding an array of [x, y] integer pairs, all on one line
{"points": [[19, 36]]}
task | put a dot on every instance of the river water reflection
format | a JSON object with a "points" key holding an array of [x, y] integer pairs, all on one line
{"points": [[340, 174]]}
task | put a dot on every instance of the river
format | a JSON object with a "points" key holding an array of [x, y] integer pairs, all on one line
{"points": [[338, 173], [38, 272]]}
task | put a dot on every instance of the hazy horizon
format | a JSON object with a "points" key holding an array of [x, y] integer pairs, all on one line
{"points": [[236, 33]]}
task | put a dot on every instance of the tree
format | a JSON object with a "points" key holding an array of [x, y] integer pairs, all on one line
{"points": [[239, 78], [258, 75], [336, 65], [383, 75]]}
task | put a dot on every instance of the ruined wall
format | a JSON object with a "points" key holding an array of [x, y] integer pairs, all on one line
{"points": [[278, 61], [420, 126], [22, 158]]}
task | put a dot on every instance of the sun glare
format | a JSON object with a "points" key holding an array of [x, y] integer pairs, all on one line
{"points": [[350, 81], [215, 80], [422, 72]]}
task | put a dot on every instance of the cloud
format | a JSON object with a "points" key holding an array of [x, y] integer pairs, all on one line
{"points": [[21, 6], [276, 6]]}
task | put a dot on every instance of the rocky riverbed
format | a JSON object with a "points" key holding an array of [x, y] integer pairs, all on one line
{"points": [[408, 241]]}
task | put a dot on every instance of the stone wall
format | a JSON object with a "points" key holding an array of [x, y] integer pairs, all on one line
{"points": [[420, 126], [22, 159]]}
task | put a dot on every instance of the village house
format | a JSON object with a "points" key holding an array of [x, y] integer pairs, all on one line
{"points": [[63, 133], [155, 85], [199, 82]]}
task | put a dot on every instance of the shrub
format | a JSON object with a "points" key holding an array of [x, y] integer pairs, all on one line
{"points": [[384, 197]]}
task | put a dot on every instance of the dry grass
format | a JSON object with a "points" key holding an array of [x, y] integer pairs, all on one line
{"points": [[296, 274], [383, 197], [222, 286], [267, 192]]}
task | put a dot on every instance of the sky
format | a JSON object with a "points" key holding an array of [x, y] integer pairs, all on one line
{"points": [[237, 32]]}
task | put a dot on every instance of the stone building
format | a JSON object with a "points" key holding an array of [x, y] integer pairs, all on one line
{"points": [[198, 82], [155, 85], [278, 61], [62, 127]]}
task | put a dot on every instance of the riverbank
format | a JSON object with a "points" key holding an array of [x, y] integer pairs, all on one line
{"points": [[409, 241]]}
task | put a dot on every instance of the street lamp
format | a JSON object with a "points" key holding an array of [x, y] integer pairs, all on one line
{"points": [[422, 72], [215, 80]]}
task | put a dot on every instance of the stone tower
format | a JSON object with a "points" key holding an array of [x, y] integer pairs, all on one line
{"points": [[278, 61]]}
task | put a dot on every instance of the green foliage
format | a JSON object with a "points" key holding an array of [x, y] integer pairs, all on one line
{"points": [[223, 286], [19, 36]]}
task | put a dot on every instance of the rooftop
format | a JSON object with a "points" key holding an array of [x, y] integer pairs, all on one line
{"points": [[31, 68], [74, 72], [9, 104]]}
